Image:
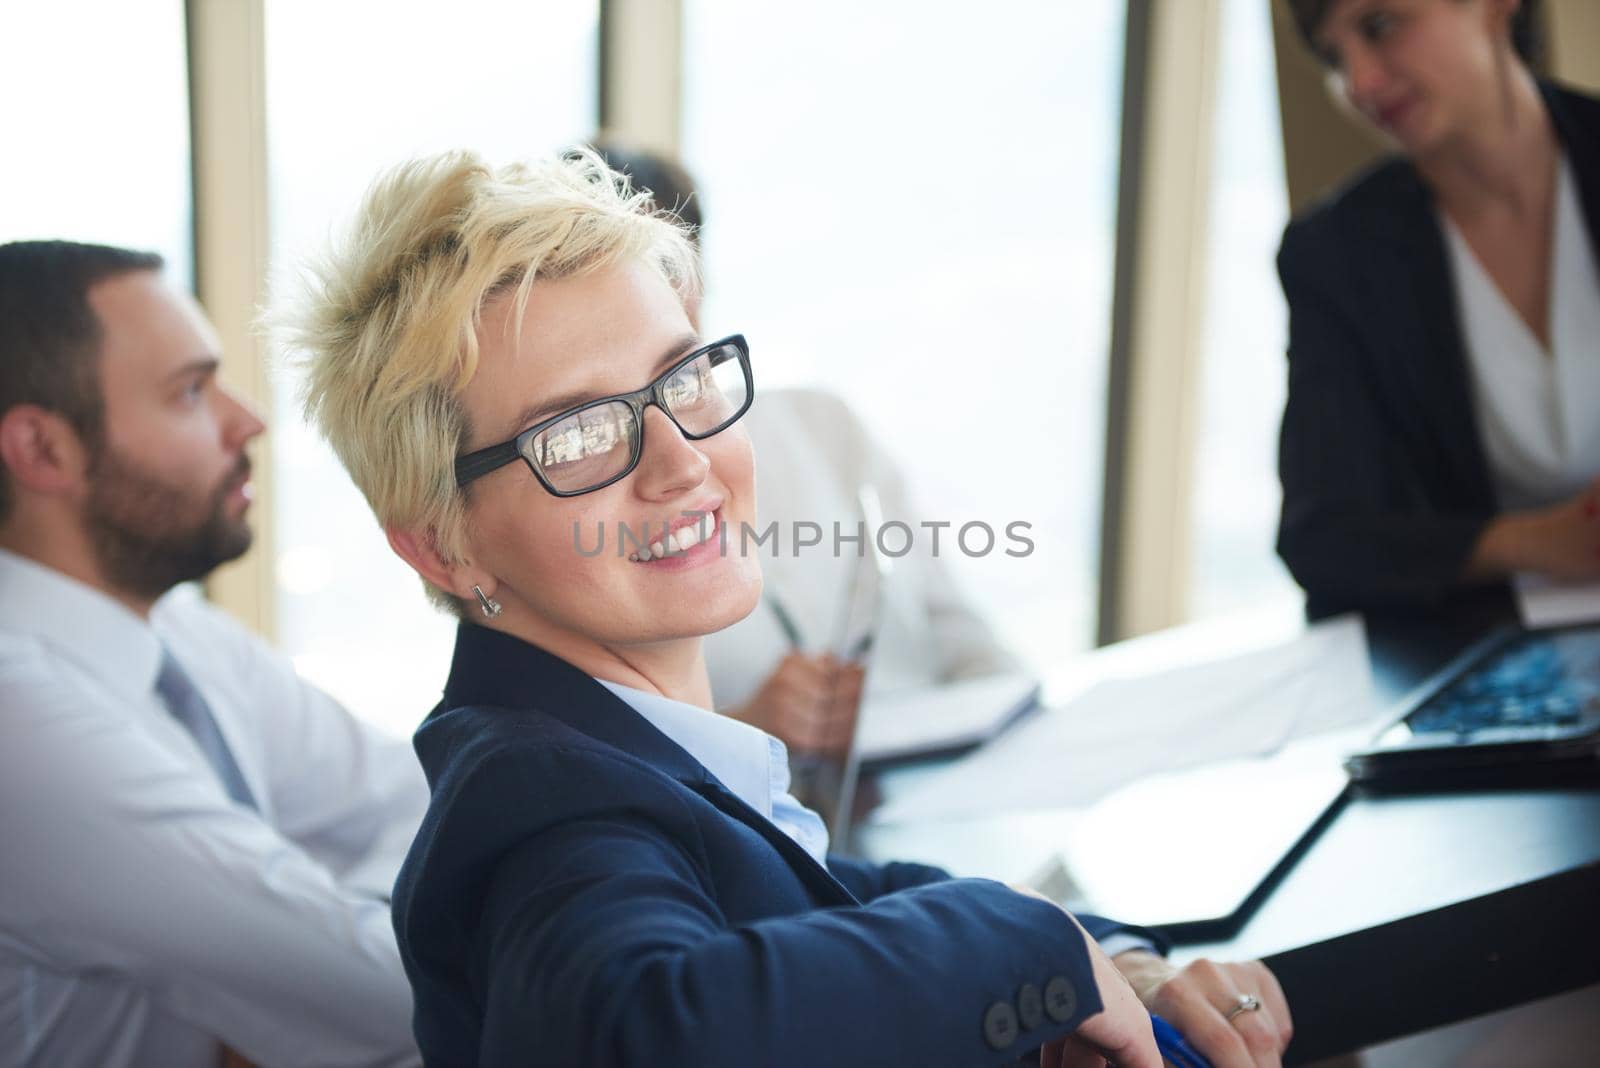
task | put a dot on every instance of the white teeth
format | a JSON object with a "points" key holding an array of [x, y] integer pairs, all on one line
{"points": [[688, 537], [699, 532], [680, 541]]}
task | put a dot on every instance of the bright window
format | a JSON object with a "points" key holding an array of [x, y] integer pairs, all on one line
{"points": [[1244, 378], [96, 126], [353, 88], [913, 205]]}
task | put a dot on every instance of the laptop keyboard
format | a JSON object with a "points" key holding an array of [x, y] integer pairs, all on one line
{"points": [[1539, 681]]}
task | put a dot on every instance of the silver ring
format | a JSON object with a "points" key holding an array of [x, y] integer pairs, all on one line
{"points": [[1246, 1003]]}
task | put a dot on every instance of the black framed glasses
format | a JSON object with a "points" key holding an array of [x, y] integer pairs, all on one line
{"points": [[593, 445]]}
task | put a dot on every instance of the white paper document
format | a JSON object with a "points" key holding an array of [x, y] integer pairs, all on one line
{"points": [[1125, 728], [1545, 603], [931, 718]]}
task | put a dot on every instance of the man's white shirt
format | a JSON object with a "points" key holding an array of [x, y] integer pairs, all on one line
{"points": [[146, 918]]}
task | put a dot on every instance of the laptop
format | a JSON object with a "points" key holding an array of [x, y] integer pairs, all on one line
{"points": [[1517, 708]]}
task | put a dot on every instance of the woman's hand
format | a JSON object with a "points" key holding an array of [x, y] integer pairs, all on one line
{"points": [[808, 702], [1197, 998], [1119, 1033], [1561, 542]]}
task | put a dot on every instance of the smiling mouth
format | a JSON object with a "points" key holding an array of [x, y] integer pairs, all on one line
{"points": [[680, 541]]}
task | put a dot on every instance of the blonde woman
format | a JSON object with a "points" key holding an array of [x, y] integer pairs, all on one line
{"points": [[610, 873]]}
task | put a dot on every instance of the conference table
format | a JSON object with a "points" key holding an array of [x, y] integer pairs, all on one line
{"points": [[1404, 912]]}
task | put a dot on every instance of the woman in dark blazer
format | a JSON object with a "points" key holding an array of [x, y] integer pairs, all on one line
{"points": [[1415, 464], [610, 872]]}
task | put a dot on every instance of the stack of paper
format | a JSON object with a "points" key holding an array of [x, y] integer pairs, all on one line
{"points": [[1126, 728]]}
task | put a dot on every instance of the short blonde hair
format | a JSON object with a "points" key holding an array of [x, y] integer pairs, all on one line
{"points": [[385, 323]]}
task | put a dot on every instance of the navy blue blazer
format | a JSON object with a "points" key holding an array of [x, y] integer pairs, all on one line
{"points": [[1386, 488], [583, 892]]}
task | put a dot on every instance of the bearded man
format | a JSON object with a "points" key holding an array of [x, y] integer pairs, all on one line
{"points": [[199, 846]]}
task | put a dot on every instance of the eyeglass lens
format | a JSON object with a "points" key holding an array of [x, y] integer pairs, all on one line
{"points": [[597, 443]]}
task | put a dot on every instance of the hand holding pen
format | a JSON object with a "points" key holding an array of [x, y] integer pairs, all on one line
{"points": [[809, 701], [1175, 1049]]}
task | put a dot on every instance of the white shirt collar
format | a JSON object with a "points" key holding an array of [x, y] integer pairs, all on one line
{"points": [[747, 760], [81, 623], [739, 755]]}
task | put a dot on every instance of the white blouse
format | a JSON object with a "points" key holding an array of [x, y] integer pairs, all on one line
{"points": [[1538, 410]]}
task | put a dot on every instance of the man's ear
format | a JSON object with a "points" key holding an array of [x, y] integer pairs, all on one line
{"points": [[41, 451], [420, 549]]}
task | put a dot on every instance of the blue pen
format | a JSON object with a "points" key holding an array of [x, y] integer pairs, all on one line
{"points": [[1174, 1049]]}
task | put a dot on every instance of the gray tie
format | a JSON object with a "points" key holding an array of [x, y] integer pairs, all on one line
{"points": [[189, 708]]}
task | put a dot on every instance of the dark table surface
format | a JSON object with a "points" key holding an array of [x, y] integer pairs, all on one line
{"points": [[1413, 911]]}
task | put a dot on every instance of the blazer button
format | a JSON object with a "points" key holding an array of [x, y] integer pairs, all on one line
{"points": [[1060, 1000], [1030, 1006], [1000, 1026]]}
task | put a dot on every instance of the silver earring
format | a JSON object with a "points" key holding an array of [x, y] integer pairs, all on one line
{"points": [[489, 605]]}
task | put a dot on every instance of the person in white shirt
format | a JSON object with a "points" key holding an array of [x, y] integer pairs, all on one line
{"points": [[775, 668], [814, 454], [198, 846]]}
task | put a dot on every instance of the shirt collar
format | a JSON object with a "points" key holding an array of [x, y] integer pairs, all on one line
{"points": [[494, 670], [80, 623], [740, 756]]}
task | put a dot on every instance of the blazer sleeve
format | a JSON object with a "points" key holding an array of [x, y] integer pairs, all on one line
{"points": [[1357, 529], [870, 881], [600, 943]]}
